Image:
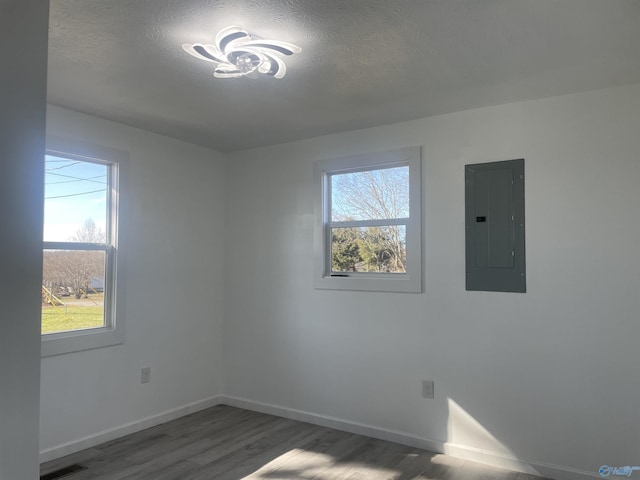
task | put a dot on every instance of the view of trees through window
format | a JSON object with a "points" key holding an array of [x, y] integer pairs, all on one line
{"points": [[75, 250], [369, 210]]}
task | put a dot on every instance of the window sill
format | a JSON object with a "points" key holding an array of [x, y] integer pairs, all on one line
{"points": [[68, 342], [365, 283]]}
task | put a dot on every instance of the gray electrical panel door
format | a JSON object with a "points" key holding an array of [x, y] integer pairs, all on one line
{"points": [[494, 215]]}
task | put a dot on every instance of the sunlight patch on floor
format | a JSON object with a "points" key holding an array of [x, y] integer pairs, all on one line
{"points": [[298, 463]]}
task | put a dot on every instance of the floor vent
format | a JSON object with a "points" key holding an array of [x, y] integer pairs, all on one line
{"points": [[63, 472]]}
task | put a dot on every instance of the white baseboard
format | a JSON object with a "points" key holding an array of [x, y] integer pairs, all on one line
{"points": [[107, 435], [547, 470], [557, 472]]}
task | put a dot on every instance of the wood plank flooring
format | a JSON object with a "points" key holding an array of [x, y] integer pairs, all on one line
{"points": [[227, 443]]}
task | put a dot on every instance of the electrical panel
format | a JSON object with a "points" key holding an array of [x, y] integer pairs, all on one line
{"points": [[494, 217]]}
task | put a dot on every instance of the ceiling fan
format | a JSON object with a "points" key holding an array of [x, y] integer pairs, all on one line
{"points": [[237, 53]]}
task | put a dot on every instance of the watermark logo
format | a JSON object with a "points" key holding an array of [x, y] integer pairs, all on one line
{"points": [[626, 471]]}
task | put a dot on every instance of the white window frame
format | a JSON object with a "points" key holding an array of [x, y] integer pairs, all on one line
{"points": [[411, 281], [112, 333]]}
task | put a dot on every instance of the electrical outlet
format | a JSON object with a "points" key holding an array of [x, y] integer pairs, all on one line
{"points": [[427, 388], [145, 375]]}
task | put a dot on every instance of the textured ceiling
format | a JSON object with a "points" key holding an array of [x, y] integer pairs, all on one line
{"points": [[364, 62]]}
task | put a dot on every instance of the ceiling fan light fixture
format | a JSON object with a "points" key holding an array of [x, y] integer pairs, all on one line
{"points": [[237, 53]]}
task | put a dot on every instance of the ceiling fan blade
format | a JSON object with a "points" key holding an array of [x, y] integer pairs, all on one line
{"points": [[203, 52], [278, 68], [275, 45], [228, 35]]}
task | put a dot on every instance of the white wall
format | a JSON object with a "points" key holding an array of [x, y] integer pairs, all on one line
{"points": [[172, 228], [550, 376], [23, 50]]}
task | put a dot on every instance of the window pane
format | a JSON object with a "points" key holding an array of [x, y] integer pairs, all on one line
{"points": [[75, 204], [369, 249], [73, 283], [370, 195]]}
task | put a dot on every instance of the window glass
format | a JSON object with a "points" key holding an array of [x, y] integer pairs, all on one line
{"points": [[73, 287], [75, 194], [370, 195], [78, 248], [369, 249]]}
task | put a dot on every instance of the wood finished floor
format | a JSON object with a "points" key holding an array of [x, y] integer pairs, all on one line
{"points": [[227, 443]]}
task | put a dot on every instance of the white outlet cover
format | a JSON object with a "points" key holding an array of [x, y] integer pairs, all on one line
{"points": [[145, 375], [427, 389]]}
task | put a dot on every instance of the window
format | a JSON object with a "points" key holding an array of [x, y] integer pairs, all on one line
{"points": [[79, 252], [368, 228]]}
